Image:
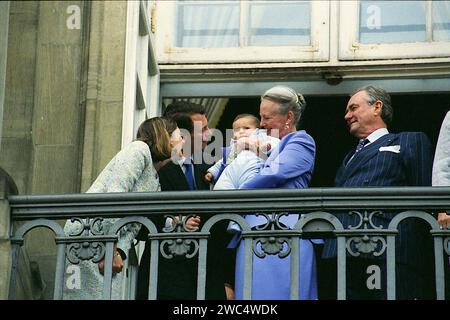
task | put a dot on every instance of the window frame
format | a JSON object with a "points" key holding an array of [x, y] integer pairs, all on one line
{"points": [[316, 52], [351, 49], [141, 75]]}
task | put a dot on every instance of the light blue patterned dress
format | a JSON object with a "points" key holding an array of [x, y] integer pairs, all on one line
{"points": [[131, 170]]}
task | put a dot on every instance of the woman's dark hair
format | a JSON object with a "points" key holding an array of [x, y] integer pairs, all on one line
{"points": [[156, 132], [181, 111]]}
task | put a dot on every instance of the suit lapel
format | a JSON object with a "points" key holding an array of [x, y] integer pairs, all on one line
{"points": [[199, 173], [172, 178], [348, 157], [367, 153]]}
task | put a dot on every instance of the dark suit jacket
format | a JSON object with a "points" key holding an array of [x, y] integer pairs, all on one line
{"points": [[172, 178], [177, 277], [372, 167]]}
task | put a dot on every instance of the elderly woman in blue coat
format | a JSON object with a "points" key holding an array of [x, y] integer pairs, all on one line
{"points": [[289, 165]]}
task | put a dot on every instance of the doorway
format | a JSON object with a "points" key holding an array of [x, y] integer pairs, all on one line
{"points": [[323, 119]]}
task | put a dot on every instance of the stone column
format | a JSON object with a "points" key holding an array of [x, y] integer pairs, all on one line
{"points": [[7, 187], [4, 22]]}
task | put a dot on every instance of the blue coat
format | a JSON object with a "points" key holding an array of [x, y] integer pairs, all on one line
{"points": [[290, 165], [375, 166]]}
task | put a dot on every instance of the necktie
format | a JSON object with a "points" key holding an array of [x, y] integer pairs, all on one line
{"points": [[189, 173], [359, 147]]}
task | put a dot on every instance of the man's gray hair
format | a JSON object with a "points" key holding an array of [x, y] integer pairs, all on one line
{"points": [[288, 100], [374, 94]]}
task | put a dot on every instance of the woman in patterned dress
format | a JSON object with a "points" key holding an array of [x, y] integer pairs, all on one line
{"points": [[133, 169]]}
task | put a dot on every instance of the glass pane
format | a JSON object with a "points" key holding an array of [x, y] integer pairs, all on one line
{"points": [[207, 24], [392, 21], [441, 20], [279, 23]]}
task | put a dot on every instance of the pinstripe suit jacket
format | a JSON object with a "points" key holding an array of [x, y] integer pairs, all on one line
{"points": [[374, 167]]}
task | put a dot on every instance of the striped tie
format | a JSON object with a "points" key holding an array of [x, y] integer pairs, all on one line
{"points": [[361, 145]]}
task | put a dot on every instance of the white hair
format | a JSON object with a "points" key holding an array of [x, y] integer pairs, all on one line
{"points": [[288, 100]]}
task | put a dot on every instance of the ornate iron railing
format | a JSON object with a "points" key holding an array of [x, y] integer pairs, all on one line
{"points": [[317, 206]]}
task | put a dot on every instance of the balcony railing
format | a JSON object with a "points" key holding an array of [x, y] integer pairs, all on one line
{"points": [[318, 207]]}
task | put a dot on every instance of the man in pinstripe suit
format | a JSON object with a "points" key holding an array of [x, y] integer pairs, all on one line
{"points": [[382, 159]]}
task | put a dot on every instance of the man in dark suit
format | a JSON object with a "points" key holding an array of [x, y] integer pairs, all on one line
{"points": [[382, 159], [177, 277]]}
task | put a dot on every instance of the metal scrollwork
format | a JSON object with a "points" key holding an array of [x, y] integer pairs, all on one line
{"points": [[447, 246], [365, 244], [178, 224], [273, 221], [179, 246], [366, 220], [92, 226], [85, 251], [272, 246]]}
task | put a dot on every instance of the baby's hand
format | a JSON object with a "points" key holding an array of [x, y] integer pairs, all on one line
{"points": [[247, 143], [265, 146], [193, 223], [209, 177]]}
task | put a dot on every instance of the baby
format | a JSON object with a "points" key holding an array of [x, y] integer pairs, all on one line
{"points": [[244, 157], [243, 126]]}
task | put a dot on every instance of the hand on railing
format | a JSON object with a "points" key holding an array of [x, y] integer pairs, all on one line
{"points": [[444, 220], [117, 262], [193, 223], [209, 177], [229, 291]]}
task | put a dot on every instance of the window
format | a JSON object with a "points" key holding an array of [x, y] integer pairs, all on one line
{"points": [[441, 21], [217, 28], [242, 31], [392, 22], [264, 23], [394, 29], [141, 85]]}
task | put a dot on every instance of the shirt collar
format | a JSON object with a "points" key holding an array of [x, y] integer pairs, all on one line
{"points": [[184, 160], [377, 134], [181, 160]]}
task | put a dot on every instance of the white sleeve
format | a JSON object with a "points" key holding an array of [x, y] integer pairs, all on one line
{"points": [[243, 168], [215, 169], [441, 164]]}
